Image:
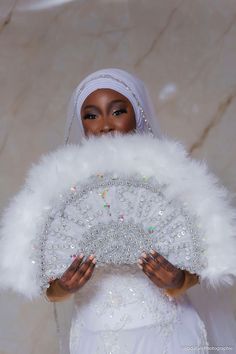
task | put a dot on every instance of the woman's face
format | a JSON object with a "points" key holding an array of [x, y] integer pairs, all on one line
{"points": [[107, 111]]}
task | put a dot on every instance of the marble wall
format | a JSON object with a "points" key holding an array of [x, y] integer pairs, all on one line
{"points": [[185, 50]]}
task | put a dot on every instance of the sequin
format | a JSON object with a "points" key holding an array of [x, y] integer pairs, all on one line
{"points": [[135, 208], [120, 297]]}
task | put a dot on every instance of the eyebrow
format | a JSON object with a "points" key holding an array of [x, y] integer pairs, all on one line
{"points": [[115, 101], [90, 106], [109, 106]]}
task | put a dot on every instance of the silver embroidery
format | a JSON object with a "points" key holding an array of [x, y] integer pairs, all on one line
{"points": [[116, 218], [120, 298]]}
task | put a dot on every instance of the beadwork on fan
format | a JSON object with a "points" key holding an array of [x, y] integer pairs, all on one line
{"points": [[116, 218]]}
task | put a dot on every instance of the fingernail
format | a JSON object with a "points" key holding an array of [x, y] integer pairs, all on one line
{"points": [[152, 252], [140, 261], [81, 255], [139, 265], [91, 256], [94, 261], [144, 254]]}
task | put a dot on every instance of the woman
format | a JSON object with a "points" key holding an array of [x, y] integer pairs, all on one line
{"points": [[105, 321], [123, 189]]}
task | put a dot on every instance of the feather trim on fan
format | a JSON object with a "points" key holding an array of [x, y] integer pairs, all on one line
{"points": [[116, 196]]}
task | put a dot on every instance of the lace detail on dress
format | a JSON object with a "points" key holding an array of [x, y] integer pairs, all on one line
{"points": [[121, 298], [203, 337], [112, 344]]}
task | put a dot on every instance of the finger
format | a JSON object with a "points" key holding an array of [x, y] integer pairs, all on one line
{"points": [[75, 264], [146, 258], [72, 284], [80, 274], [157, 256], [170, 276], [156, 266], [155, 271], [161, 271], [87, 275], [72, 268], [153, 277], [151, 271], [163, 261], [83, 268]]}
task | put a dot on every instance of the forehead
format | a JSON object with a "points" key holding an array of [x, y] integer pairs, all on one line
{"points": [[102, 95]]}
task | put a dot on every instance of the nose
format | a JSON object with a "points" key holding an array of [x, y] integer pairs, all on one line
{"points": [[106, 126]]}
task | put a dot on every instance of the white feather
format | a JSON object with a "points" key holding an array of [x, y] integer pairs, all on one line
{"points": [[188, 180]]}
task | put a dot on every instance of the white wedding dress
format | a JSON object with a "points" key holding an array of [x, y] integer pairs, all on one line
{"points": [[120, 311]]}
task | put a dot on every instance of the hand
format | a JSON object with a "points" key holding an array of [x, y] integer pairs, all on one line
{"points": [[77, 274], [161, 271]]}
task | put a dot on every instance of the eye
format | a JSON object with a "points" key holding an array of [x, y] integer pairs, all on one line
{"points": [[118, 112], [89, 116]]}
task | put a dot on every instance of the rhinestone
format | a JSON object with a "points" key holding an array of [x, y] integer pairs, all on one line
{"points": [[131, 238]]}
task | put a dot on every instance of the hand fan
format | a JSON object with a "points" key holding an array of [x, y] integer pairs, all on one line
{"points": [[116, 218], [116, 197]]}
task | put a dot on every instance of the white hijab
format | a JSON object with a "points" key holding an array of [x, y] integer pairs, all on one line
{"points": [[118, 80]]}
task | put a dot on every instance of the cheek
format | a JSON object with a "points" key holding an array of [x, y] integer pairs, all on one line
{"points": [[127, 123], [90, 126], [131, 118]]}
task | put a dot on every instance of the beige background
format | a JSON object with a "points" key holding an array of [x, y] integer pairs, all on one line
{"points": [[185, 50]]}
